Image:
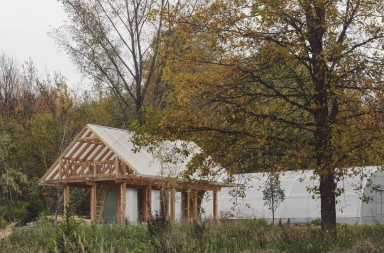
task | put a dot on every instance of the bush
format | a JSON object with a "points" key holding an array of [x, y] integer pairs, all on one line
{"points": [[13, 213], [3, 223], [316, 222]]}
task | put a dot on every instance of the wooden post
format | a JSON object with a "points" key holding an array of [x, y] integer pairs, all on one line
{"points": [[66, 197], [165, 202], [149, 202], [119, 204], [66, 169], [186, 207], [94, 169], [144, 206], [123, 190], [195, 204], [93, 202], [215, 205], [173, 202], [123, 168]]}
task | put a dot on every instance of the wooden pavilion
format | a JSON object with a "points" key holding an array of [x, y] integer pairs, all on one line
{"points": [[103, 159]]}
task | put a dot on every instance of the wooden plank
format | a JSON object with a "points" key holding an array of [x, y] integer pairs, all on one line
{"points": [[215, 205], [93, 202], [173, 204], [123, 191]]}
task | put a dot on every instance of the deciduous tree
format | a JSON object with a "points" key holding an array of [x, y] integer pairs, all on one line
{"points": [[115, 43], [296, 83]]}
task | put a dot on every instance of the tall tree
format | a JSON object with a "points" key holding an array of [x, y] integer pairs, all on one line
{"points": [[115, 43], [296, 83]]}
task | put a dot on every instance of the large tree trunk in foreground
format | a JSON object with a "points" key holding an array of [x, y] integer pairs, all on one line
{"points": [[328, 205]]}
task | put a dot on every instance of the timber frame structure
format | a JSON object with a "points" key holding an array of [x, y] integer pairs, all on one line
{"points": [[102, 157]]}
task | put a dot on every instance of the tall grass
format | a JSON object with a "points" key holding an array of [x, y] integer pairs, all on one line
{"points": [[227, 236]]}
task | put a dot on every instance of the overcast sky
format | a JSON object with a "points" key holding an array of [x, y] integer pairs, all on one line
{"points": [[24, 25]]}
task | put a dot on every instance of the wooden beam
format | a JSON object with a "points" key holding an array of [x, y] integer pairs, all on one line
{"points": [[89, 152], [93, 202], [215, 205], [104, 154], [117, 166], [73, 152], [109, 156], [60, 172], [88, 162], [195, 205], [88, 139], [123, 190], [93, 157], [173, 204], [81, 151]]}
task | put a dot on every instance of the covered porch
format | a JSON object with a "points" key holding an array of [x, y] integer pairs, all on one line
{"points": [[130, 184]]}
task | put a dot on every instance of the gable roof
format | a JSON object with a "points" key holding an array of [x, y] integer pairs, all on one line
{"points": [[107, 145]]}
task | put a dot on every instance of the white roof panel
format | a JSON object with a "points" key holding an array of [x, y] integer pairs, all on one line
{"points": [[119, 141]]}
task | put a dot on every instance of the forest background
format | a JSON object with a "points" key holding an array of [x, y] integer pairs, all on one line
{"points": [[258, 85]]}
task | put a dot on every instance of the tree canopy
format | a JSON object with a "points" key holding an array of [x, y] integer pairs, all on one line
{"points": [[294, 84]]}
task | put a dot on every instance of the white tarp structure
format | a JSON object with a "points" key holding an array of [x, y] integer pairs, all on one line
{"points": [[300, 205]]}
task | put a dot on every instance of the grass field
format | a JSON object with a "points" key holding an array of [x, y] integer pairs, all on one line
{"points": [[225, 236]]}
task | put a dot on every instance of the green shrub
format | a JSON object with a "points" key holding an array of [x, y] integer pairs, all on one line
{"points": [[14, 212], [3, 223], [67, 237], [316, 222]]}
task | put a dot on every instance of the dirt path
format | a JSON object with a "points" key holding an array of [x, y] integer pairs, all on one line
{"points": [[7, 231]]}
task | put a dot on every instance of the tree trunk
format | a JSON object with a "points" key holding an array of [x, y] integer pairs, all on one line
{"points": [[326, 171], [328, 205]]}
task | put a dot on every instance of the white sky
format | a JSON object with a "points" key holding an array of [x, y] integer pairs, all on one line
{"points": [[24, 25]]}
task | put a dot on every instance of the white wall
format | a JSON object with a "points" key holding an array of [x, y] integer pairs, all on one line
{"points": [[299, 205], [132, 205]]}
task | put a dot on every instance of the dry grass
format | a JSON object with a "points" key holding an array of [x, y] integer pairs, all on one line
{"points": [[7, 231]]}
